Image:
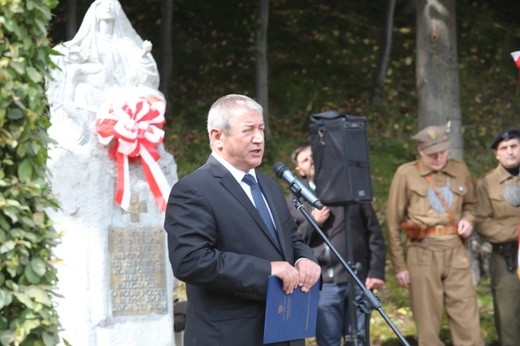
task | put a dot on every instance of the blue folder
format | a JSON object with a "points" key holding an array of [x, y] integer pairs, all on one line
{"points": [[289, 316]]}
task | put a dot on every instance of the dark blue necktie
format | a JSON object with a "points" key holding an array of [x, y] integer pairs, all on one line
{"points": [[260, 205]]}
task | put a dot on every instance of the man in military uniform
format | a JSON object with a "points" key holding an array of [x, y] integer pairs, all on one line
{"points": [[433, 202], [498, 218]]}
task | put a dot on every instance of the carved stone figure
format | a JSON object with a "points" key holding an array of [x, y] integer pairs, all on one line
{"points": [[109, 172], [105, 55]]}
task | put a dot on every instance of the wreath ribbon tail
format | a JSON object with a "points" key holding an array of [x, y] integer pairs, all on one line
{"points": [[123, 182], [156, 180]]}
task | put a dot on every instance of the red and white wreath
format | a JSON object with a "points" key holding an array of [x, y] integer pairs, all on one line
{"points": [[132, 126]]}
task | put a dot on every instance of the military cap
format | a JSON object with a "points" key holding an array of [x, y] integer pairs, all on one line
{"points": [[432, 139], [505, 135]]}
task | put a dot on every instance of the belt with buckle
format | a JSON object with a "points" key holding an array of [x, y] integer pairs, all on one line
{"points": [[438, 230]]}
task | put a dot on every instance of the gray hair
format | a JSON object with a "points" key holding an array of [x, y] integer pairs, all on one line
{"points": [[220, 112]]}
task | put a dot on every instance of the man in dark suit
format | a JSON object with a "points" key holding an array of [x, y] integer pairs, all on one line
{"points": [[218, 242]]}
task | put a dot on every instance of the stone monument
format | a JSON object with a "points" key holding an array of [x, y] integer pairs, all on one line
{"points": [[111, 176]]}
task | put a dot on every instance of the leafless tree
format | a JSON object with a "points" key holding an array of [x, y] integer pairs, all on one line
{"points": [[384, 58], [166, 57], [262, 68], [72, 18], [437, 70]]}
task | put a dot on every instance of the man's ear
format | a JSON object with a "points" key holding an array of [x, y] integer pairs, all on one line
{"points": [[299, 171], [215, 137]]}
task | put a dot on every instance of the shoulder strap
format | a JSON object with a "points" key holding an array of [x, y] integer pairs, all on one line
{"points": [[441, 198]]}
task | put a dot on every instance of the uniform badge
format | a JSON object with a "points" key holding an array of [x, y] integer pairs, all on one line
{"points": [[436, 203], [512, 194]]}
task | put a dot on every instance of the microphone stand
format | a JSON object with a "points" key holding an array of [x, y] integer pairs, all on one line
{"points": [[353, 336], [368, 301]]}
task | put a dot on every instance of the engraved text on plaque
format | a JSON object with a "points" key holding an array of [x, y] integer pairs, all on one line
{"points": [[137, 271]]}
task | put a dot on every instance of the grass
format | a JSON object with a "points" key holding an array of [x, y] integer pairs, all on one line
{"points": [[394, 304]]}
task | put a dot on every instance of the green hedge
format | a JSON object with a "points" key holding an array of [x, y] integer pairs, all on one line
{"points": [[27, 237]]}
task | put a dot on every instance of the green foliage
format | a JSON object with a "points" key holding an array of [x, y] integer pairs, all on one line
{"points": [[27, 275]]}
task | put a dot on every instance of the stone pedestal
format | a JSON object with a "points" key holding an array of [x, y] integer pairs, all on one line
{"points": [[114, 275]]}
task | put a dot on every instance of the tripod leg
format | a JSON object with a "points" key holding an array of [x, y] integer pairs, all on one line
{"points": [[367, 328], [359, 320]]}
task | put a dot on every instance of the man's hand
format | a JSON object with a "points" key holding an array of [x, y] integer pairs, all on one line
{"points": [[320, 216], [287, 273], [309, 273], [373, 283], [465, 228], [403, 278]]}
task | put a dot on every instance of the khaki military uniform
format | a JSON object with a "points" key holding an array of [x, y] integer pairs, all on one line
{"points": [[438, 264], [498, 218]]}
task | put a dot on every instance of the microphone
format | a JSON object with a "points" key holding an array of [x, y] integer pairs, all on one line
{"points": [[297, 187]]}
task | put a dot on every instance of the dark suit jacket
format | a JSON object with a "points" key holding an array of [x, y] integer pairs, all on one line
{"points": [[220, 247]]}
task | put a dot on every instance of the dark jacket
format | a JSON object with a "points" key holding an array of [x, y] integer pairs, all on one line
{"points": [[367, 242], [219, 246]]}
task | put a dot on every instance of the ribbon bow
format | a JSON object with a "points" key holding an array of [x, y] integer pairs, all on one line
{"points": [[133, 128]]}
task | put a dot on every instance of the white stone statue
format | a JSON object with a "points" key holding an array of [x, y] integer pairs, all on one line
{"points": [[105, 55], [104, 100]]}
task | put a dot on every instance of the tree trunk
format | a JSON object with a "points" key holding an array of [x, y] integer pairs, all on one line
{"points": [[72, 18], [166, 57], [262, 69], [437, 70], [384, 58]]}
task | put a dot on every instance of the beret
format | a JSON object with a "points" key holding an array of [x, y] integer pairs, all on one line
{"points": [[505, 135], [432, 139]]}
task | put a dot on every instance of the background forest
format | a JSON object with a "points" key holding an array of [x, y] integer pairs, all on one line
{"points": [[323, 55]]}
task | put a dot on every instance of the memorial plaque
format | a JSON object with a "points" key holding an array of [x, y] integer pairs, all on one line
{"points": [[137, 272]]}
